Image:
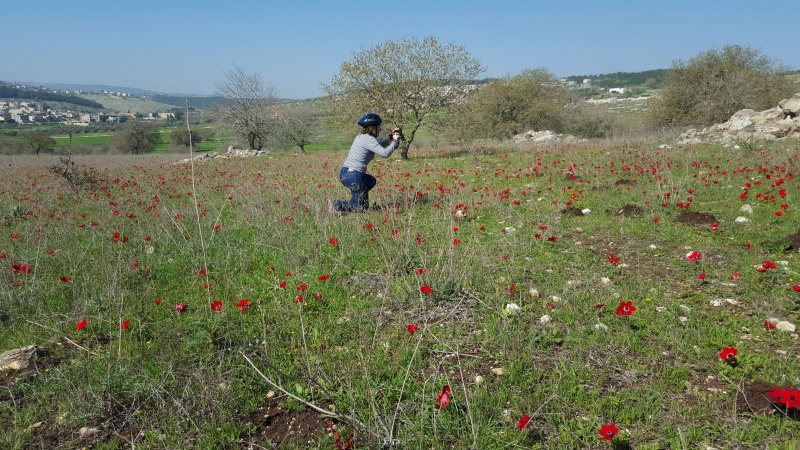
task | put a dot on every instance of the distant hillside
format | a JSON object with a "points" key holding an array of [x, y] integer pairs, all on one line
{"points": [[180, 102], [89, 88], [649, 78], [36, 95], [135, 104]]}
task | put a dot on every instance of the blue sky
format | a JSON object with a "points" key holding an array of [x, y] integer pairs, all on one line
{"points": [[185, 47]]}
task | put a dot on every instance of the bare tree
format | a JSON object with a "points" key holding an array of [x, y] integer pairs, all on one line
{"points": [[248, 111], [299, 124], [403, 81]]}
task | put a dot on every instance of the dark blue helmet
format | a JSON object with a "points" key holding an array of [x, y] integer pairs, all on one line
{"points": [[369, 119]]}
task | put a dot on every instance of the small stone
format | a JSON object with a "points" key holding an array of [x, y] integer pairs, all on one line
{"points": [[683, 320], [661, 308], [512, 308], [86, 431], [545, 319], [586, 211], [746, 209], [653, 246], [741, 219], [270, 394], [600, 326], [605, 281], [478, 379], [534, 292], [785, 326], [498, 371]]}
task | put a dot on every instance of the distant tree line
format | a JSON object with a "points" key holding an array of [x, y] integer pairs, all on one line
{"points": [[649, 78], [11, 92]]}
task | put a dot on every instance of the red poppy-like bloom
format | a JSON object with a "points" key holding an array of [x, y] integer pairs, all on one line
{"points": [[419, 271], [323, 277], [714, 227], [283, 284], [789, 397], [769, 325], [456, 241], [701, 277], [796, 288], [302, 287], [625, 309], [124, 325], [243, 304], [181, 307], [66, 279], [735, 276], [412, 328], [426, 290], [444, 396], [158, 301], [216, 306], [695, 256], [333, 241], [523, 423], [608, 432], [552, 238], [728, 353], [81, 325], [655, 220], [613, 259]]}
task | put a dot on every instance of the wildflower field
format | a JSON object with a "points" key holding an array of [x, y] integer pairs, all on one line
{"points": [[567, 296]]}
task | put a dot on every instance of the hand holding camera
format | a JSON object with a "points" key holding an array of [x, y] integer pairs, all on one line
{"points": [[397, 134]]}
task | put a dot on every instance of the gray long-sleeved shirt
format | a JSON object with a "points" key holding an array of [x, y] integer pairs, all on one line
{"points": [[364, 148]]}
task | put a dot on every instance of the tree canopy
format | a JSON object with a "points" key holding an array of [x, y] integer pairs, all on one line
{"points": [[715, 84], [403, 81], [136, 137]]}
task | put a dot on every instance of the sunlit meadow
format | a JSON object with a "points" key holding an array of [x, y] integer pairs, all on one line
{"points": [[554, 297]]}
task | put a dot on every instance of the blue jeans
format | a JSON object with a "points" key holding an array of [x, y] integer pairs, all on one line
{"points": [[360, 184]]}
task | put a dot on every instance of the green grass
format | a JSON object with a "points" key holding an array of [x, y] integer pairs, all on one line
{"points": [[489, 228]]}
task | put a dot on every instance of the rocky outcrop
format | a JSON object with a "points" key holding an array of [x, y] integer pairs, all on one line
{"points": [[747, 125], [231, 153], [541, 136]]}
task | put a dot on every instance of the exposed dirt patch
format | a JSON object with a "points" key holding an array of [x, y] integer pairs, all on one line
{"points": [[793, 242], [696, 218], [753, 399], [275, 426], [571, 211], [624, 182]]}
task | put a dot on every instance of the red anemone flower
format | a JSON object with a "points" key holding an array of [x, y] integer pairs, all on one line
{"points": [[613, 259], [608, 431], [333, 241], [216, 306], [181, 307], [728, 353], [625, 308], [124, 325], [769, 325], [323, 277], [444, 396], [523, 423], [81, 325], [66, 279], [427, 290], [412, 328]]}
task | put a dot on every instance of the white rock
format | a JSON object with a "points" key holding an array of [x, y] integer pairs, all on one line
{"points": [[746, 209], [478, 379], [534, 292], [741, 219], [555, 299], [661, 308], [498, 371], [605, 281], [509, 229], [600, 326], [683, 320], [653, 246], [545, 319], [686, 309], [512, 308], [586, 211], [785, 326]]}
